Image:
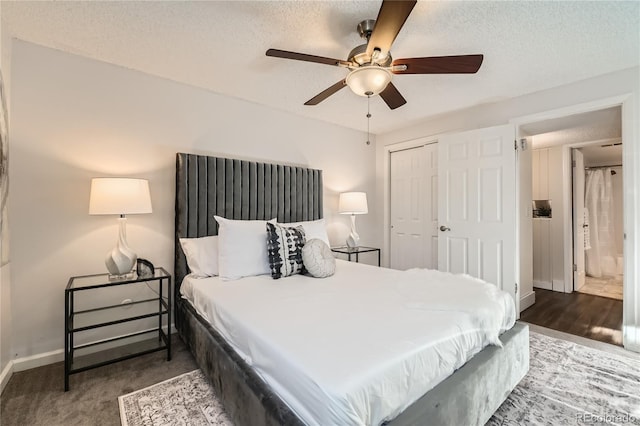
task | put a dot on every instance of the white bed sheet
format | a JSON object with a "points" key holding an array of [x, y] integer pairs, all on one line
{"points": [[359, 347]]}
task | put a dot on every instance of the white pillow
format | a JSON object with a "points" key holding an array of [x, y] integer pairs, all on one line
{"points": [[242, 248], [318, 259], [202, 255], [312, 229]]}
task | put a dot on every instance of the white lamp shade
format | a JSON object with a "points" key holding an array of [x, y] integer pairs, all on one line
{"points": [[368, 80], [353, 203], [119, 196]]}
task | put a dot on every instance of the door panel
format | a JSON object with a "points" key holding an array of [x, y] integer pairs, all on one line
{"points": [[477, 203], [457, 255], [413, 223], [407, 214], [491, 147], [431, 219], [434, 252], [456, 195], [489, 268], [490, 202]]}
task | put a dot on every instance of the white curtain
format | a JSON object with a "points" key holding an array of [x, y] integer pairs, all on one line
{"points": [[601, 257]]}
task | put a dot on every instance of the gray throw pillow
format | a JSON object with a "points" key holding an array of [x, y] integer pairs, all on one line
{"points": [[318, 259]]}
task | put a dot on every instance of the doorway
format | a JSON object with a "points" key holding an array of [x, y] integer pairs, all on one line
{"points": [[561, 221], [598, 220]]}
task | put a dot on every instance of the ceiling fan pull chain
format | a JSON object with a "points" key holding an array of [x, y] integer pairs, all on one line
{"points": [[368, 117]]}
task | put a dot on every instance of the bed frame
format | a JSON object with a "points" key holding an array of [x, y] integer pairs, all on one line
{"points": [[245, 190]]}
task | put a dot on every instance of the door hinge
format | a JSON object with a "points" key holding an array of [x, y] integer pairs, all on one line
{"points": [[575, 267], [523, 144], [515, 145], [516, 288]]}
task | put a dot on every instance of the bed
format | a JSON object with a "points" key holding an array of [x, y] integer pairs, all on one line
{"points": [[247, 190]]}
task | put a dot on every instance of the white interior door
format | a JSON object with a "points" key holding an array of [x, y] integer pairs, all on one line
{"points": [[578, 220], [477, 205], [413, 226]]}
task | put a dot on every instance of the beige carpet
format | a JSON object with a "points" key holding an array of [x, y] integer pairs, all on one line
{"points": [[36, 397]]}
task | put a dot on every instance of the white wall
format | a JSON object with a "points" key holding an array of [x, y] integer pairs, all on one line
{"points": [[625, 83], [76, 118], [5, 283], [525, 237]]}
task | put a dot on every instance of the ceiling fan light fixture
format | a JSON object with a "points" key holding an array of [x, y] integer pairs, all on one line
{"points": [[368, 80]]}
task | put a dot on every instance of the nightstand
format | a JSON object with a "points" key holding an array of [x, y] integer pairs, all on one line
{"points": [[350, 251], [88, 291]]}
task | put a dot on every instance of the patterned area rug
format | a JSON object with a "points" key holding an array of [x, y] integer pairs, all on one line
{"points": [[567, 384], [183, 400], [571, 384]]}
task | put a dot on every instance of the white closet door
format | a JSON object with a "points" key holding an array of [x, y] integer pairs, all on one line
{"points": [[477, 205], [413, 225]]}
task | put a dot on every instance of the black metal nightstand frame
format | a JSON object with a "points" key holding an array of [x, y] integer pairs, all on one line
{"points": [[89, 361], [350, 251]]}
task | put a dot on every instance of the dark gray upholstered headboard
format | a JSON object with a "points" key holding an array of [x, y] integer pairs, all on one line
{"points": [[237, 189]]}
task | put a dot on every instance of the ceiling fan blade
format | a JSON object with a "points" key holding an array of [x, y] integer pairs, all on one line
{"points": [[391, 18], [392, 97], [326, 93], [304, 57], [462, 64]]}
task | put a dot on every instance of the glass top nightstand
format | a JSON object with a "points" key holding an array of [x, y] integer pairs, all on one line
{"points": [[138, 325], [351, 251], [104, 280]]}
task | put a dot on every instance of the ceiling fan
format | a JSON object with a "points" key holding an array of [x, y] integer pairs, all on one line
{"points": [[371, 65]]}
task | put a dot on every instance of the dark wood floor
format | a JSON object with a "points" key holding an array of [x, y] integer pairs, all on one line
{"points": [[593, 317]]}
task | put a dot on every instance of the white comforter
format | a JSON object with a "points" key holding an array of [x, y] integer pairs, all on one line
{"points": [[359, 347]]}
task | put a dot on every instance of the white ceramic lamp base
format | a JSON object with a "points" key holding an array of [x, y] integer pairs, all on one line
{"points": [[354, 239], [121, 259]]}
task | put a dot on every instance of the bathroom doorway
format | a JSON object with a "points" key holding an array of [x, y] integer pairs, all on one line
{"points": [[598, 219], [565, 297]]}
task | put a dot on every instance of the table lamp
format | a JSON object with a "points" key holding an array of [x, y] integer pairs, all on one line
{"points": [[353, 203], [120, 196]]}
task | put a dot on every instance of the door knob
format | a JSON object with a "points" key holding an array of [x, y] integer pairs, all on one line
{"points": [[444, 228]]}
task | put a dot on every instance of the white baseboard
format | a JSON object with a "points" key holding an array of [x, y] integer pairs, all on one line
{"points": [[6, 374], [46, 358], [38, 360], [558, 285], [546, 285], [631, 337], [527, 300]]}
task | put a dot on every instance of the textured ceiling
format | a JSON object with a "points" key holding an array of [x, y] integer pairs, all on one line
{"points": [[589, 126], [220, 46]]}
